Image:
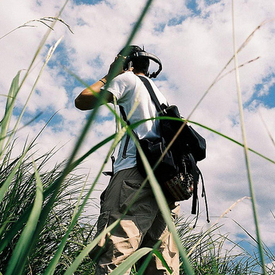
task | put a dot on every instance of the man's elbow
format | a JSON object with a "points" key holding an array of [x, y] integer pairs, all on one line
{"points": [[79, 105]]}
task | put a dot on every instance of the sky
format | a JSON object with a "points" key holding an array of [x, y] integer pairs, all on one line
{"points": [[194, 41]]}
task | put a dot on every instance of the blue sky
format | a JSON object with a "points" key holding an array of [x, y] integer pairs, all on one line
{"points": [[263, 96], [193, 39]]}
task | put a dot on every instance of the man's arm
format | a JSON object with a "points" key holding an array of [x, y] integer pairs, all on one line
{"points": [[88, 98]]}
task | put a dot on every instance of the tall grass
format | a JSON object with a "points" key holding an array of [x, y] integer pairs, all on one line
{"points": [[249, 177], [42, 226], [21, 194]]}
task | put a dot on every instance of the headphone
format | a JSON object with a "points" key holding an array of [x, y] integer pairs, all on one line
{"points": [[141, 53]]}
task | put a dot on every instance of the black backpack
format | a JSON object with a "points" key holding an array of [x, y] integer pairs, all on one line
{"points": [[174, 155]]}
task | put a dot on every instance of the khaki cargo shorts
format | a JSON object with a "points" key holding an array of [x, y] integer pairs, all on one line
{"points": [[141, 226]]}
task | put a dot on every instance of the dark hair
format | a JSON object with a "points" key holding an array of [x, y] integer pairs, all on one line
{"points": [[140, 63]]}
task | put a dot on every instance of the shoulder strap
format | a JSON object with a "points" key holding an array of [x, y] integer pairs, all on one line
{"points": [[124, 116], [151, 92]]}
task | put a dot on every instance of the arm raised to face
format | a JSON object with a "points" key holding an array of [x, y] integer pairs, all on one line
{"points": [[88, 98]]}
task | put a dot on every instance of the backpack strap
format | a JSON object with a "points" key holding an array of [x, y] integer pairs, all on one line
{"points": [[110, 173], [124, 116], [152, 93], [154, 99], [195, 187], [203, 194]]}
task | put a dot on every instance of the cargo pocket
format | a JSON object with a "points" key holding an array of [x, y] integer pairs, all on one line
{"points": [[143, 204]]}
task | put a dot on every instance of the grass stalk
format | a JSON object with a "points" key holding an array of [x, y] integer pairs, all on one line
{"points": [[160, 198], [48, 57], [267, 130], [5, 122], [251, 188], [221, 74], [134, 125], [43, 20], [42, 42], [131, 260], [77, 213], [21, 251]]}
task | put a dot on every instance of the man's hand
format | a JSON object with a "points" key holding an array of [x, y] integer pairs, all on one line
{"points": [[116, 68], [87, 99]]}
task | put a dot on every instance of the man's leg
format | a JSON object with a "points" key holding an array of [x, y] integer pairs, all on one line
{"points": [[127, 237], [120, 245], [159, 232]]}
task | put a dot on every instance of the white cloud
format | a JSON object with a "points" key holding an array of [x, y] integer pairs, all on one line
{"points": [[193, 48]]}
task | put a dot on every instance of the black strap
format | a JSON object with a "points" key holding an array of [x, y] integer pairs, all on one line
{"points": [[128, 137], [203, 194], [195, 187], [151, 92], [124, 116], [110, 173]]}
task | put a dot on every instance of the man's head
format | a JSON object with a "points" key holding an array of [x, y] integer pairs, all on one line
{"points": [[134, 58]]}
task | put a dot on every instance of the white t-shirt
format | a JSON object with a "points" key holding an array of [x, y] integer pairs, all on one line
{"points": [[135, 99]]}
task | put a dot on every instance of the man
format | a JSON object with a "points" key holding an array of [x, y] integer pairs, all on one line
{"points": [[143, 224]]}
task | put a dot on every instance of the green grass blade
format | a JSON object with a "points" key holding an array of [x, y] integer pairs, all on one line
{"points": [[160, 256], [84, 253], [54, 261], [134, 125], [22, 249], [48, 206], [48, 57], [233, 140], [47, 192], [249, 177], [131, 260], [8, 181], [155, 251], [88, 124], [8, 110], [92, 150], [162, 203]]}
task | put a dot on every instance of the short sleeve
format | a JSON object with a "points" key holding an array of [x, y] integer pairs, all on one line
{"points": [[117, 87]]}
